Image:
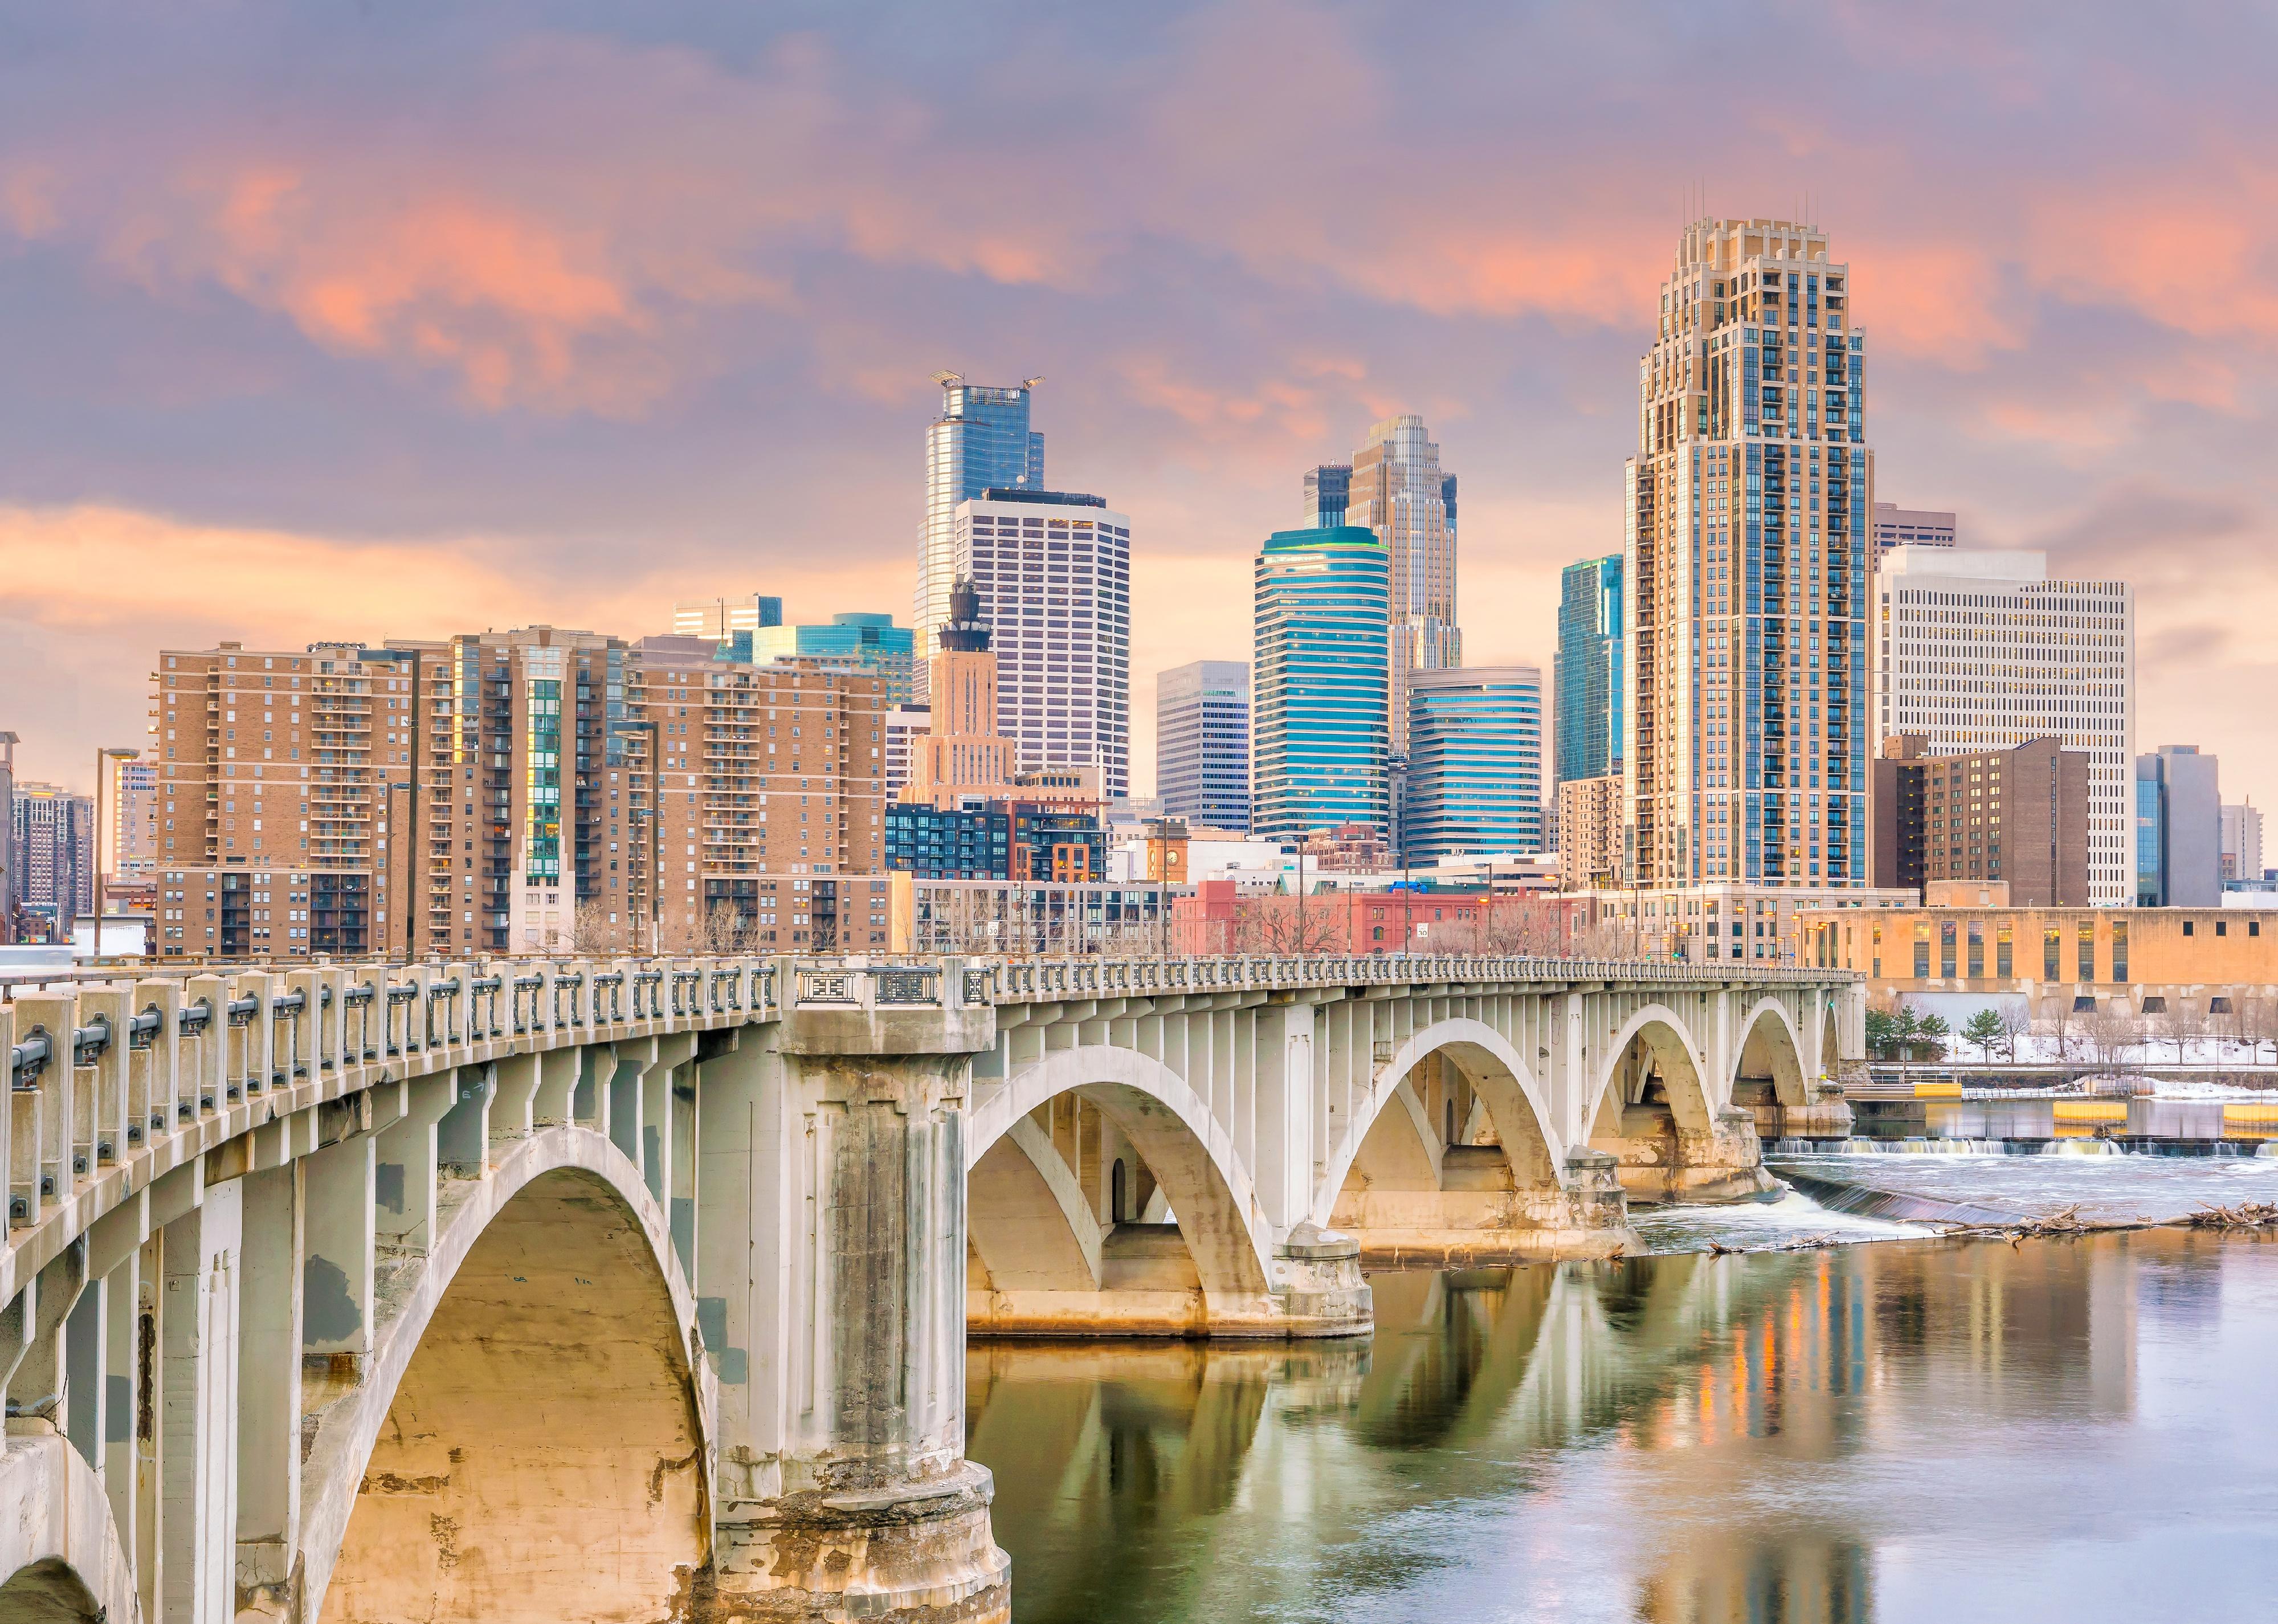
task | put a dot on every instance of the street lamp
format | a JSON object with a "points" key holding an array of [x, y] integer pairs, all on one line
{"points": [[102, 773]]}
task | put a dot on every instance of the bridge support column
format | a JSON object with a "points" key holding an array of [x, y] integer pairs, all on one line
{"points": [[847, 1495]]}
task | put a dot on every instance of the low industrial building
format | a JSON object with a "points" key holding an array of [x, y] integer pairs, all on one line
{"points": [[2060, 960]]}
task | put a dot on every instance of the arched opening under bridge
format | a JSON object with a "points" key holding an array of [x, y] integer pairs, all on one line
{"points": [[542, 1455], [1671, 1137]]}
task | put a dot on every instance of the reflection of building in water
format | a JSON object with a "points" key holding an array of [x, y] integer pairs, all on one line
{"points": [[2002, 1327], [1696, 1396]]}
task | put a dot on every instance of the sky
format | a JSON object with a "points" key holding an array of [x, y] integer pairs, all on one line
{"points": [[332, 320]]}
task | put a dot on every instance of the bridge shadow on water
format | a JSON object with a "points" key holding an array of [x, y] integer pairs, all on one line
{"points": [[1674, 1439]]}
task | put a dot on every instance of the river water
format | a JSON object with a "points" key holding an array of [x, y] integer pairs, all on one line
{"points": [[1900, 1429]]}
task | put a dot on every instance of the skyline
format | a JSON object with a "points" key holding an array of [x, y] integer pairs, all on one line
{"points": [[397, 317]]}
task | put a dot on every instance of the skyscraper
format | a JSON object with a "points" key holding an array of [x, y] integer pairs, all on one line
{"points": [[51, 852], [2184, 799], [981, 439], [1587, 673], [1202, 742], [1745, 563], [1328, 493], [7, 836], [1979, 650], [1322, 724], [1897, 526], [1054, 572], [1397, 490], [962, 753], [1474, 763]]}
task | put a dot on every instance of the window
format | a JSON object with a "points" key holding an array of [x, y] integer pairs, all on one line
{"points": [[2120, 950], [1945, 949], [2001, 960], [2088, 950]]}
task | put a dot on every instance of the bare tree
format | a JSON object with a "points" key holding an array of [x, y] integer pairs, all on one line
{"points": [[2113, 1033], [2015, 1024], [2178, 1021], [595, 931], [1288, 925], [2259, 1022]]}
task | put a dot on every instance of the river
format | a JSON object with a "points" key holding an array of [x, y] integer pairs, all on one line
{"points": [[1900, 1429]]}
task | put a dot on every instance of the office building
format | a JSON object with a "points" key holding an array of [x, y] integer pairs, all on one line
{"points": [[51, 855], [1397, 490], [1587, 674], [1763, 923], [721, 618], [131, 809], [1474, 783], [2018, 817], [2242, 845], [2179, 805], [1055, 844], [1321, 723], [1202, 742], [980, 441], [850, 642], [2194, 963], [1053, 570], [1026, 916], [906, 724], [1328, 493], [1744, 566], [7, 837], [1897, 526], [961, 758], [948, 842], [1589, 833], [1978, 650]]}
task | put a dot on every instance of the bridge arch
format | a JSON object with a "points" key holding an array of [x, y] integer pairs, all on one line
{"points": [[529, 1441], [1502, 1082], [60, 1560], [1771, 1047], [1655, 1038], [1189, 1152]]}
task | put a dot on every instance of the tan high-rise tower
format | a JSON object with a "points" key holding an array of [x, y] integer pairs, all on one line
{"points": [[963, 755], [1746, 564]]}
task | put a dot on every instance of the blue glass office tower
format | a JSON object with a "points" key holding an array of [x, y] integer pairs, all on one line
{"points": [[1474, 762], [1320, 705], [1587, 675], [981, 439], [864, 642]]}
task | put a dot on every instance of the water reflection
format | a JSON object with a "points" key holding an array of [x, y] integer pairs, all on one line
{"points": [[1680, 1439]]}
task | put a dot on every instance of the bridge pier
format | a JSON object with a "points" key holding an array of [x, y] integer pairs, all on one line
{"points": [[843, 1488]]}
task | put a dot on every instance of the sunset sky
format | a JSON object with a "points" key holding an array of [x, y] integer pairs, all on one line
{"points": [[406, 319]]}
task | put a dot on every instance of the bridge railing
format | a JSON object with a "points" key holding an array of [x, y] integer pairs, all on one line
{"points": [[1027, 980], [114, 1081]]}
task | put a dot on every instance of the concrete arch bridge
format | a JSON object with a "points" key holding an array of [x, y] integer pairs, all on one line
{"points": [[640, 1290]]}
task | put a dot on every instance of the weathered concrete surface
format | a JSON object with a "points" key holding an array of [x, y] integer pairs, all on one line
{"points": [[1659, 1162], [57, 1547], [533, 1444]]}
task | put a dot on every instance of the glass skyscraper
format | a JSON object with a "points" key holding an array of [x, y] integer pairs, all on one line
{"points": [[1474, 762], [1321, 705], [981, 439], [1587, 673], [1397, 489]]}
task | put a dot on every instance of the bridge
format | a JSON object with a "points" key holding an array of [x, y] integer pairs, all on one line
{"points": [[640, 1290]]}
